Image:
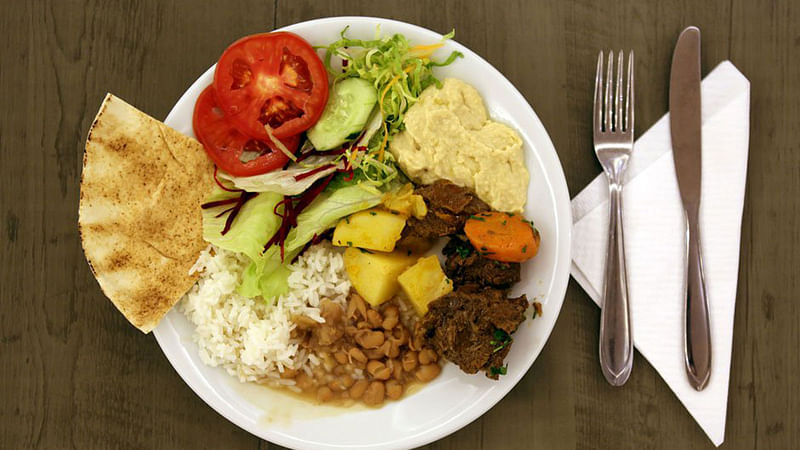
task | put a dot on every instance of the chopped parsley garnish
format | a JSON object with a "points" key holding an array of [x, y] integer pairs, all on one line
{"points": [[499, 370], [525, 248], [501, 340], [347, 220], [373, 213], [349, 243], [477, 218]]}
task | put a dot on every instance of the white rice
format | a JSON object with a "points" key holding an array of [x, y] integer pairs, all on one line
{"points": [[248, 337]]}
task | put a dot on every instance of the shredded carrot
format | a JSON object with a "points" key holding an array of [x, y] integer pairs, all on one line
{"points": [[394, 80], [425, 51]]}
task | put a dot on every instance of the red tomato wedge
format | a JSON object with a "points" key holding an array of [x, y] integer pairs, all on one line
{"points": [[232, 151], [271, 79]]}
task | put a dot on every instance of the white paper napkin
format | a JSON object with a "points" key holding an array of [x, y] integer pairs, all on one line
{"points": [[654, 241]]}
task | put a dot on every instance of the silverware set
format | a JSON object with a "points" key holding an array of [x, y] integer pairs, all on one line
{"points": [[613, 123]]}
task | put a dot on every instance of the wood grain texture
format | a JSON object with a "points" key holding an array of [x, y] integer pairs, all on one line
{"points": [[74, 374]]}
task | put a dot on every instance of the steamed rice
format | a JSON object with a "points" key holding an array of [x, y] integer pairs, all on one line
{"points": [[248, 337]]}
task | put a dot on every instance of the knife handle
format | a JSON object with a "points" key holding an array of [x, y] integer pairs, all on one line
{"points": [[616, 341], [697, 332]]}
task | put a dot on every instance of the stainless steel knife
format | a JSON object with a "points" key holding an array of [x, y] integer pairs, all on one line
{"points": [[685, 125]]}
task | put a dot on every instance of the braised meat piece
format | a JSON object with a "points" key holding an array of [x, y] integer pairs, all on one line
{"points": [[472, 327], [449, 207], [465, 265]]}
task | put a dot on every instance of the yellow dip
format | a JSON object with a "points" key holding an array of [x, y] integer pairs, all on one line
{"points": [[449, 135]]}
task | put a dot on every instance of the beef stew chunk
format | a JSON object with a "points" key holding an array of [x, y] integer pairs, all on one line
{"points": [[472, 327], [449, 207], [465, 265]]}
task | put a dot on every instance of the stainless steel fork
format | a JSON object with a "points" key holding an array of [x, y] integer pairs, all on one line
{"points": [[613, 143]]}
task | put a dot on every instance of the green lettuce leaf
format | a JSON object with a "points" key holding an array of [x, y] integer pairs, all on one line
{"points": [[251, 229], [268, 277]]}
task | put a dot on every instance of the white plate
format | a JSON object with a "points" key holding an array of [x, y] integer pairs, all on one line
{"points": [[454, 399]]}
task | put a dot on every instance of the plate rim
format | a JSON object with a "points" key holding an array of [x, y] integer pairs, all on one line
{"points": [[560, 279]]}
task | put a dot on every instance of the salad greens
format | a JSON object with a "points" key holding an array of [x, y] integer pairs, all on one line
{"points": [[268, 275], [354, 177], [399, 72], [254, 225]]}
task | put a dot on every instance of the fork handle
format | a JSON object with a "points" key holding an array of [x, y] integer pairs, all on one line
{"points": [[616, 341]]}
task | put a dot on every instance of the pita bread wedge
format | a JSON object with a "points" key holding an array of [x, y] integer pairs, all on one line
{"points": [[139, 216]]}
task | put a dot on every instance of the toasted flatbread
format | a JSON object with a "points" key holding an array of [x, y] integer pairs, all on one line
{"points": [[139, 216]]}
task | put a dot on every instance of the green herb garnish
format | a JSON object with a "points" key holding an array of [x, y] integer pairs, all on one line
{"points": [[501, 340], [499, 370]]}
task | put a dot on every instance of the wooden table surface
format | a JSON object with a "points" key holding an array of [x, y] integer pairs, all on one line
{"points": [[74, 374]]}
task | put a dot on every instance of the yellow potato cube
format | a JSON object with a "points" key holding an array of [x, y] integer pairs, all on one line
{"points": [[424, 282], [374, 275], [373, 229]]}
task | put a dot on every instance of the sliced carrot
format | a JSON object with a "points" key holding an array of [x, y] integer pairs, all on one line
{"points": [[502, 236]]}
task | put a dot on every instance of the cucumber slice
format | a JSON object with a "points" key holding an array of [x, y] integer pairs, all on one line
{"points": [[349, 107]]}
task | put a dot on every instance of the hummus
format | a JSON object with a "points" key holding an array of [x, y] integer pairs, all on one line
{"points": [[448, 134]]}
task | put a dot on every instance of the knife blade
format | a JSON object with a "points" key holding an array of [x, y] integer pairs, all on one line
{"points": [[685, 127]]}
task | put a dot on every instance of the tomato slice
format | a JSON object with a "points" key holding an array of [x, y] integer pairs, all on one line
{"points": [[273, 79], [232, 151]]}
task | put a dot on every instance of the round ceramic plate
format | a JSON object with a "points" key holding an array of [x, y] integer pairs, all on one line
{"points": [[454, 399]]}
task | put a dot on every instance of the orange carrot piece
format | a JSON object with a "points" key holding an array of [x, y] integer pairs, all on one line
{"points": [[502, 236]]}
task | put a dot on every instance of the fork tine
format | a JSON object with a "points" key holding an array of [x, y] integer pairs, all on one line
{"points": [[618, 96], [598, 95], [629, 97], [609, 100]]}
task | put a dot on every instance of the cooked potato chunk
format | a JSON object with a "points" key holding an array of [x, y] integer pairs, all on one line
{"points": [[374, 275], [405, 201], [424, 282], [373, 229]]}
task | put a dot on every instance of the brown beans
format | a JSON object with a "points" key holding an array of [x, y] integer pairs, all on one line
{"points": [[374, 353], [400, 334], [410, 361], [324, 394], [374, 318], [374, 366], [347, 381], [370, 339], [389, 322], [375, 393], [394, 350], [341, 357], [360, 306], [365, 353], [394, 389], [358, 389], [304, 322], [328, 334], [330, 311], [427, 356], [391, 311], [303, 381], [357, 354], [383, 374], [428, 372], [397, 369]]}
